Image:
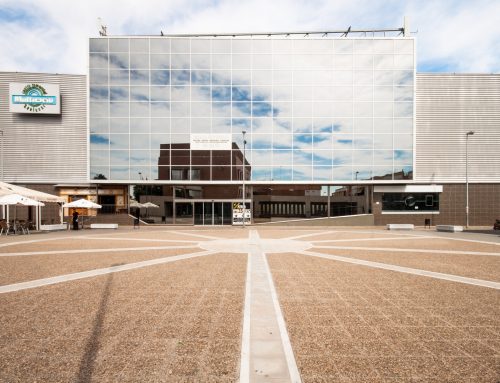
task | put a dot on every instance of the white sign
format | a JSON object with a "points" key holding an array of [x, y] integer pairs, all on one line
{"points": [[238, 214], [202, 141], [34, 98]]}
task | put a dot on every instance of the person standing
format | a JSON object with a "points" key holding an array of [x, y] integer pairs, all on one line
{"points": [[75, 220], [137, 218]]}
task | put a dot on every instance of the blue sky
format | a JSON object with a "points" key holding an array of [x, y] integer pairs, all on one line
{"points": [[51, 35]]}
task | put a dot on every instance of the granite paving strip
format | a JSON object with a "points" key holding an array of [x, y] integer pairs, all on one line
{"points": [[420, 272], [177, 322], [358, 239], [431, 243], [401, 250], [81, 244], [25, 240], [266, 354], [355, 324], [196, 235], [21, 269], [466, 264], [96, 272], [149, 240], [274, 233], [94, 250]]}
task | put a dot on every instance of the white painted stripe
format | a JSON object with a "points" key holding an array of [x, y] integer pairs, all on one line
{"points": [[97, 272], [454, 252], [195, 235], [407, 270], [143, 239], [110, 250], [367, 239], [293, 371], [311, 234], [287, 346], [34, 241], [245, 332], [467, 240]]}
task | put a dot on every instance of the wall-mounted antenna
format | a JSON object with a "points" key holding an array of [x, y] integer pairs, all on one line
{"points": [[103, 29]]}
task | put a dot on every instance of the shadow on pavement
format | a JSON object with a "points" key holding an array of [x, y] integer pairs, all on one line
{"points": [[92, 347]]}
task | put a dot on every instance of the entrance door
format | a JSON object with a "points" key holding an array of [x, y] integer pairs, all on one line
{"points": [[227, 213], [184, 213], [108, 204], [198, 213]]}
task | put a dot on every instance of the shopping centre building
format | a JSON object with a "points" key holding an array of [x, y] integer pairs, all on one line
{"points": [[303, 127]]}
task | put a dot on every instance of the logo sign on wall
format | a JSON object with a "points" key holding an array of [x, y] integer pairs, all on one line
{"points": [[34, 98], [201, 141]]}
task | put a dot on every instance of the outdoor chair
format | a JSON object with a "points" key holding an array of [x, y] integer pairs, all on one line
{"points": [[5, 227]]}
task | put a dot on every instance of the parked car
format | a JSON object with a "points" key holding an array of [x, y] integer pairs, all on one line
{"points": [[496, 225]]}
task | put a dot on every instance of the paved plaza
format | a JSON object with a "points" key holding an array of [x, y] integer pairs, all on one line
{"points": [[255, 304]]}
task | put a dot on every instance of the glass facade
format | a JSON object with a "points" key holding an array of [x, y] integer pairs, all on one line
{"points": [[315, 110]]}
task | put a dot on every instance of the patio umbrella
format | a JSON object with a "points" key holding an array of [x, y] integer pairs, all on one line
{"points": [[82, 204], [134, 203], [15, 200], [147, 205]]}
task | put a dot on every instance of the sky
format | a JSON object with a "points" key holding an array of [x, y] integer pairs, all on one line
{"points": [[52, 35]]}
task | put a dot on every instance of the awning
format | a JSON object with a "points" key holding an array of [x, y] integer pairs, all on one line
{"points": [[6, 189]]}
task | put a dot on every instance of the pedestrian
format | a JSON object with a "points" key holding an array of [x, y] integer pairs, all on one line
{"points": [[136, 219], [75, 220]]}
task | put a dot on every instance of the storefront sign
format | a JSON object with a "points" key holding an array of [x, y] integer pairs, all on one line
{"points": [[238, 214], [201, 141], [35, 98]]}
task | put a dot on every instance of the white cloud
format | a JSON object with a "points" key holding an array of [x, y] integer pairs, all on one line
{"points": [[456, 36]]}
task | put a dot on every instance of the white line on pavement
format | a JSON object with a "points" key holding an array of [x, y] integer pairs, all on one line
{"points": [[311, 234], [394, 249], [245, 332], [368, 239], [270, 354], [143, 239], [97, 272], [194, 235], [287, 346], [111, 250], [35, 241], [408, 270]]}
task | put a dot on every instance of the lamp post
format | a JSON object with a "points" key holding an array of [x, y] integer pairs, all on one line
{"points": [[243, 176], [470, 133]]}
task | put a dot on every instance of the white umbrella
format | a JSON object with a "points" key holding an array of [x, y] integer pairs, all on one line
{"points": [[149, 204], [16, 199], [134, 203], [83, 204]]}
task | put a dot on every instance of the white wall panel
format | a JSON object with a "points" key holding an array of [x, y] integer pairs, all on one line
{"points": [[448, 106], [45, 148]]}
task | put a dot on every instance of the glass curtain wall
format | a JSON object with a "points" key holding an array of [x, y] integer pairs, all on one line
{"points": [[314, 109]]}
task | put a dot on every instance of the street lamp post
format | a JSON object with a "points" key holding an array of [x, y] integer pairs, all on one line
{"points": [[470, 133], [243, 176]]}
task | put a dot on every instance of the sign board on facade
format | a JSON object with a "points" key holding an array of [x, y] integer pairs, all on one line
{"points": [[34, 98], [208, 141], [238, 214]]}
